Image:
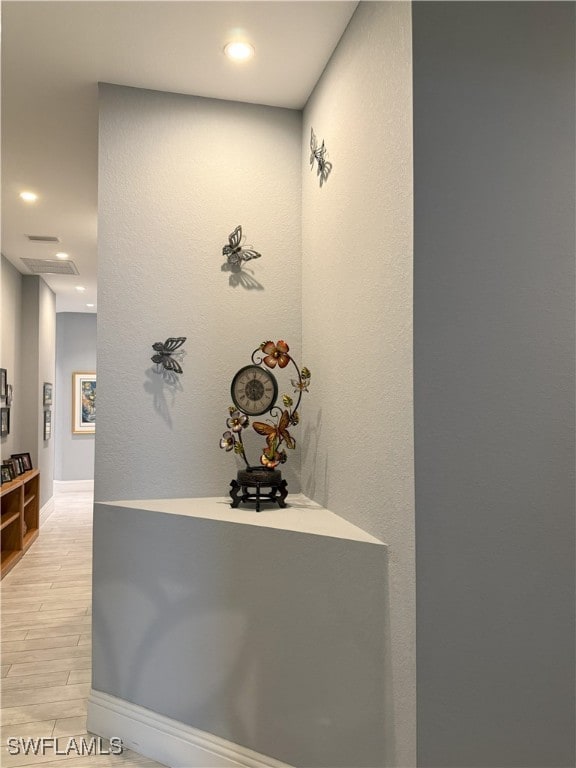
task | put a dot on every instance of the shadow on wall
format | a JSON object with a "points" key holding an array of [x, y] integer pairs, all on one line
{"points": [[243, 277], [310, 469], [163, 387]]}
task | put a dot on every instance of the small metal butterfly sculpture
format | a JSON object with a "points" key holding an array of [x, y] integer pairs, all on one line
{"points": [[235, 252], [164, 354], [318, 154]]}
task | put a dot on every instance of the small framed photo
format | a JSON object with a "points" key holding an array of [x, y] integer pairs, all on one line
{"points": [[2, 383], [8, 395], [11, 464], [83, 403], [4, 422], [47, 424], [47, 393], [6, 474], [25, 460], [19, 465]]}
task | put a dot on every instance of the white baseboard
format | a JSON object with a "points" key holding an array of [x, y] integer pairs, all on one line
{"points": [[46, 510], [73, 486], [168, 741]]}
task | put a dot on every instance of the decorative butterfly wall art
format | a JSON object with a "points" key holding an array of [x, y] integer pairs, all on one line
{"points": [[318, 154], [166, 355], [235, 252]]}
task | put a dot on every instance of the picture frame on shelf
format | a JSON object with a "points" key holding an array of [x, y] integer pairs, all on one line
{"points": [[11, 464], [47, 424], [3, 383], [83, 403], [25, 459], [47, 393], [19, 465], [4, 422], [6, 474]]}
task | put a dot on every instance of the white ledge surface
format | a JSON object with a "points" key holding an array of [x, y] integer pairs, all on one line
{"points": [[302, 515]]}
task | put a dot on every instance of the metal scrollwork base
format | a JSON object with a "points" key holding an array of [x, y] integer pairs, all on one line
{"points": [[249, 484]]}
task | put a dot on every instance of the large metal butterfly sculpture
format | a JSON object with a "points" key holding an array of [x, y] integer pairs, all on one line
{"points": [[235, 252], [164, 354]]}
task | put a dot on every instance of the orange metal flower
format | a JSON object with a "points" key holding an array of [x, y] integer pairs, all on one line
{"points": [[276, 354], [272, 461]]}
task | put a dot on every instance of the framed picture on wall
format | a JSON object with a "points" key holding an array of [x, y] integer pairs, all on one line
{"points": [[83, 403], [47, 424], [47, 394], [2, 383], [4, 422]]}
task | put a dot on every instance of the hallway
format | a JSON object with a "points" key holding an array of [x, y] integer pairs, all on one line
{"points": [[46, 647]]}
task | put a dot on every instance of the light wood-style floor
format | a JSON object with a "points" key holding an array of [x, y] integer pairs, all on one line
{"points": [[45, 649]]}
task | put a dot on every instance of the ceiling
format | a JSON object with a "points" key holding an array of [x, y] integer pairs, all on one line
{"points": [[55, 53]]}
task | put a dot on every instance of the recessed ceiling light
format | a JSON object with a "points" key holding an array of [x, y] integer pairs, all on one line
{"points": [[80, 288], [62, 255], [239, 51], [89, 305], [29, 197]]}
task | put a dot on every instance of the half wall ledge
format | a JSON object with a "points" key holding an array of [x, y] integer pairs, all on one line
{"points": [[266, 630], [302, 515]]}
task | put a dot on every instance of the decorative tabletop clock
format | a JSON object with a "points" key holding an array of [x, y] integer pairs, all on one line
{"points": [[254, 392]]}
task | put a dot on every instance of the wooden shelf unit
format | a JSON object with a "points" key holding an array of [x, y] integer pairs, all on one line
{"points": [[19, 518]]}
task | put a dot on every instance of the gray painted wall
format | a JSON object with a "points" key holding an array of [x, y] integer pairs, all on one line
{"points": [[28, 354], [75, 351], [10, 357], [494, 159], [272, 639], [357, 318], [38, 352], [46, 373], [177, 175]]}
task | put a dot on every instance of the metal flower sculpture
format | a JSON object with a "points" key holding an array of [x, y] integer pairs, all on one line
{"points": [[276, 428], [235, 252], [166, 355]]}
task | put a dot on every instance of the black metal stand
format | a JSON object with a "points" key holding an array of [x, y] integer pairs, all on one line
{"points": [[257, 478]]}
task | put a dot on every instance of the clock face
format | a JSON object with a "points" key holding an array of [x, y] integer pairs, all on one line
{"points": [[254, 390]]}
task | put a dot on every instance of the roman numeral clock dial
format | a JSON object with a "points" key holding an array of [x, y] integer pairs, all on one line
{"points": [[254, 390]]}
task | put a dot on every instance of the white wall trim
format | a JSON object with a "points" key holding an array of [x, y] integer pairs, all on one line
{"points": [[73, 486], [46, 510], [169, 741]]}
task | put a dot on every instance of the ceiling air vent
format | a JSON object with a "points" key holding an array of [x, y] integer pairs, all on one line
{"points": [[50, 267], [43, 238]]}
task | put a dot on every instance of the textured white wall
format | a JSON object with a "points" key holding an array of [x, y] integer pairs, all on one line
{"points": [[177, 174], [357, 316]]}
